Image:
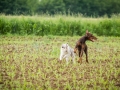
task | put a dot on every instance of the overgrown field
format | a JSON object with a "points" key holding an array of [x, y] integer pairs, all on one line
{"points": [[32, 63], [59, 25]]}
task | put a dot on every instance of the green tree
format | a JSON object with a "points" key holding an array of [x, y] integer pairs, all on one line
{"points": [[51, 6], [86, 7], [21, 7], [32, 5], [7, 6]]}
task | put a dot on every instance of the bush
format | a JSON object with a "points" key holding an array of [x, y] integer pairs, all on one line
{"points": [[62, 25]]}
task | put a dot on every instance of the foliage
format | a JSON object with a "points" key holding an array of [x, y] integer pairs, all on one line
{"points": [[51, 6], [86, 7], [59, 25]]}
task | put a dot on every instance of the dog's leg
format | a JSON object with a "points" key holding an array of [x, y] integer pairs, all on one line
{"points": [[81, 54], [61, 56], [67, 60], [80, 57], [80, 60], [86, 54]]}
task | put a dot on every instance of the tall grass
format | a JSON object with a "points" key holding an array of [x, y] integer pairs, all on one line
{"points": [[59, 25]]}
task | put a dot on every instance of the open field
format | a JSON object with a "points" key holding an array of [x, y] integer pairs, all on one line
{"points": [[31, 63]]}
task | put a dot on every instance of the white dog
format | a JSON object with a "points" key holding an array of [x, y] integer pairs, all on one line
{"points": [[67, 52]]}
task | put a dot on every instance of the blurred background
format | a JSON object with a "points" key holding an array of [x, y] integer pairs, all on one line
{"points": [[51, 7]]}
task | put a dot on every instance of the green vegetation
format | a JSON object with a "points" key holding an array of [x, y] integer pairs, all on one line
{"points": [[31, 63], [86, 7], [30, 48], [59, 25]]}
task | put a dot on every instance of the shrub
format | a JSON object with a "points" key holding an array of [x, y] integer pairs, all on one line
{"points": [[46, 25]]}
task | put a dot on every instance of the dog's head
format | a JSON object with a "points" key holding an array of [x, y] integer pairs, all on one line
{"points": [[64, 47], [90, 36]]}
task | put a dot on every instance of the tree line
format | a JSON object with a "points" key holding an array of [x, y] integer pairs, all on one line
{"points": [[85, 7]]}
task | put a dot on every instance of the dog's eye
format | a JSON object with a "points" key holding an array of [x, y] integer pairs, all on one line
{"points": [[62, 47]]}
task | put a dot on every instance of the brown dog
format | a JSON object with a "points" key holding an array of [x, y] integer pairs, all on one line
{"points": [[81, 45]]}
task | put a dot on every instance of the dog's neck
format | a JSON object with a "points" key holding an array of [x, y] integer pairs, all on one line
{"points": [[83, 39]]}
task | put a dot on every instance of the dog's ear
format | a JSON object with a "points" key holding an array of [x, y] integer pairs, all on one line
{"points": [[87, 33], [66, 44]]}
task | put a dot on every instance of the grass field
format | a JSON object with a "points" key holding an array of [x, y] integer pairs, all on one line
{"points": [[31, 63]]}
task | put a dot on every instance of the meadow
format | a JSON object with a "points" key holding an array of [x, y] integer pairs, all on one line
{"points": [[32, 63]]}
